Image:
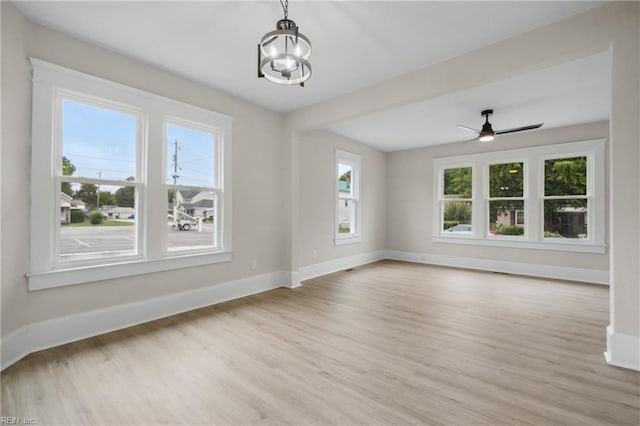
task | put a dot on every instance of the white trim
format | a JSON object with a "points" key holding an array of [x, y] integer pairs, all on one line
{"points": [[623, 350], [58, 331], [91, 273], [505, 241], [533, 195], [52, 83], [355, 162], [347, 239], [330, 266], [595, 276]]}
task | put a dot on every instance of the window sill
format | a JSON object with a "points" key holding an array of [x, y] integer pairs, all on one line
{"points": [[86, 274], [351, 239], [532, 245]]}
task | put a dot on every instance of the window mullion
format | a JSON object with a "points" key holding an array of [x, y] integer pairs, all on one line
{"points": [[153, 194]]}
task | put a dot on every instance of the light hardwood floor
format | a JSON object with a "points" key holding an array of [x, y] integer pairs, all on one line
{"points": [[387, 343]]}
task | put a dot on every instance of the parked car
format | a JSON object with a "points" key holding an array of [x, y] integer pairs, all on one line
{"points": [[460, 229], [185, 222]]}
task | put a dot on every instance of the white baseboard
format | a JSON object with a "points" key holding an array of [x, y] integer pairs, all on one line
{"points": [[335, 265], [623, 350], [595, 276], [58, 331]]}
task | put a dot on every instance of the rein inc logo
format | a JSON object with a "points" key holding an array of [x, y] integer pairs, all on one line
{"points": [[14, 420]]}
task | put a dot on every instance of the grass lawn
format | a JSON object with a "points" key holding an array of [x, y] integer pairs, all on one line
{"points": [[103, 223]]}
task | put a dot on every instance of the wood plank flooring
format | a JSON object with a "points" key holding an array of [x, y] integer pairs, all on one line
{"points": [[387, 343]]}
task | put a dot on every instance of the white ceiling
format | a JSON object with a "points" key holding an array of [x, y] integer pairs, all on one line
{"points": [[572, 93], [355, 44]]}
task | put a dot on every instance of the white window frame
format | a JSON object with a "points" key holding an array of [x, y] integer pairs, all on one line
{"points": [[487, 196], [533, 159], [355, 162], [51, 83], [442, 200], [216, 188]]}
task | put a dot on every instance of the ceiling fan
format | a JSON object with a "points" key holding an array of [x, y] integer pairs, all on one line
{"points": [[487, 134]]}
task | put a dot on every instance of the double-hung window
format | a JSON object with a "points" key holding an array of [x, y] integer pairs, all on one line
{"points": [[506, 201], [124, 182], [348, 207], [547, 197]]}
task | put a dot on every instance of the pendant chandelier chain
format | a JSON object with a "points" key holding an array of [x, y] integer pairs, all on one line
{"points": [[285, 8]]}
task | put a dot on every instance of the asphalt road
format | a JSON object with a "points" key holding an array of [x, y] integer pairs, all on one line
{"points": [[112, 240]]}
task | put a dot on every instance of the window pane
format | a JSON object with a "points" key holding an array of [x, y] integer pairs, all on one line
{"points": [[457, 217], [190, 156], [506, 180], [565, 176], [345, 175], [457, 183], [506, 217], [346, 216], [88, 232], [191, 219], [97, 142], [565, 218]]}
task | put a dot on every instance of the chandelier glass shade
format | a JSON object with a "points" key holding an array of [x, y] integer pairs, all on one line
{"points": [[283, 54]]}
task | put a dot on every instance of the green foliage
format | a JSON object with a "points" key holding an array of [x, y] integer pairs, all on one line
{"points": [[95, 217], [125, 196], [67, 170], [346, 177], [88, 193], [509, 230], [77, 216], [67, 167], [506, 180], [459, 211], [549, 234], [458, 182], [171, 193], [449, 223], [566, 176], [107, 199]]}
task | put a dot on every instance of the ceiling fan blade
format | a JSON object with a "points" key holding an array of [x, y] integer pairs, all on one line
{"points": [[519, 129], [469, 129]]}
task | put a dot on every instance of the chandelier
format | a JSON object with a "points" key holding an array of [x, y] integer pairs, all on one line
{"points": [[283, 54]]}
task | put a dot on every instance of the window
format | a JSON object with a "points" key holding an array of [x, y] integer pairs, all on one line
{"points": [[549, 197], [506, 199], [348, 208], [566, 203], [456, 203], [103, 206], [193, 187], [98, 168]]}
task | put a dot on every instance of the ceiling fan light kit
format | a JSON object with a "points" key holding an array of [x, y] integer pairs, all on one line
{"points": [[283, 54], [487, 134]]}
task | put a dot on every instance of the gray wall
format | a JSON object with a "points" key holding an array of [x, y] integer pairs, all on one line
{"points": [[317, 197], [410, 190], [257, 177]]}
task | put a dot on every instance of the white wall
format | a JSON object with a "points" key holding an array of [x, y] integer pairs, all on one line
{"points": [[410, 189], [317, 180], [257, 178]]}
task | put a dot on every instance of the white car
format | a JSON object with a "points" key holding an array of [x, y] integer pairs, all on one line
{"points": [[460, 229]]}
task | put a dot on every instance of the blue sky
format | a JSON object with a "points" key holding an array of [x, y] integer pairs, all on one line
{"points": [[103, 142]]}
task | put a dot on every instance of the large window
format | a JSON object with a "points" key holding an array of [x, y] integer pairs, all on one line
{"points": [[348, 209], [456, 202], [549, 197], [103, 204], [506, 199]]}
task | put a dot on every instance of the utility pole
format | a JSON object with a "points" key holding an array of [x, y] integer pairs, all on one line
{"points": [[99, 177], [175, 178]]}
